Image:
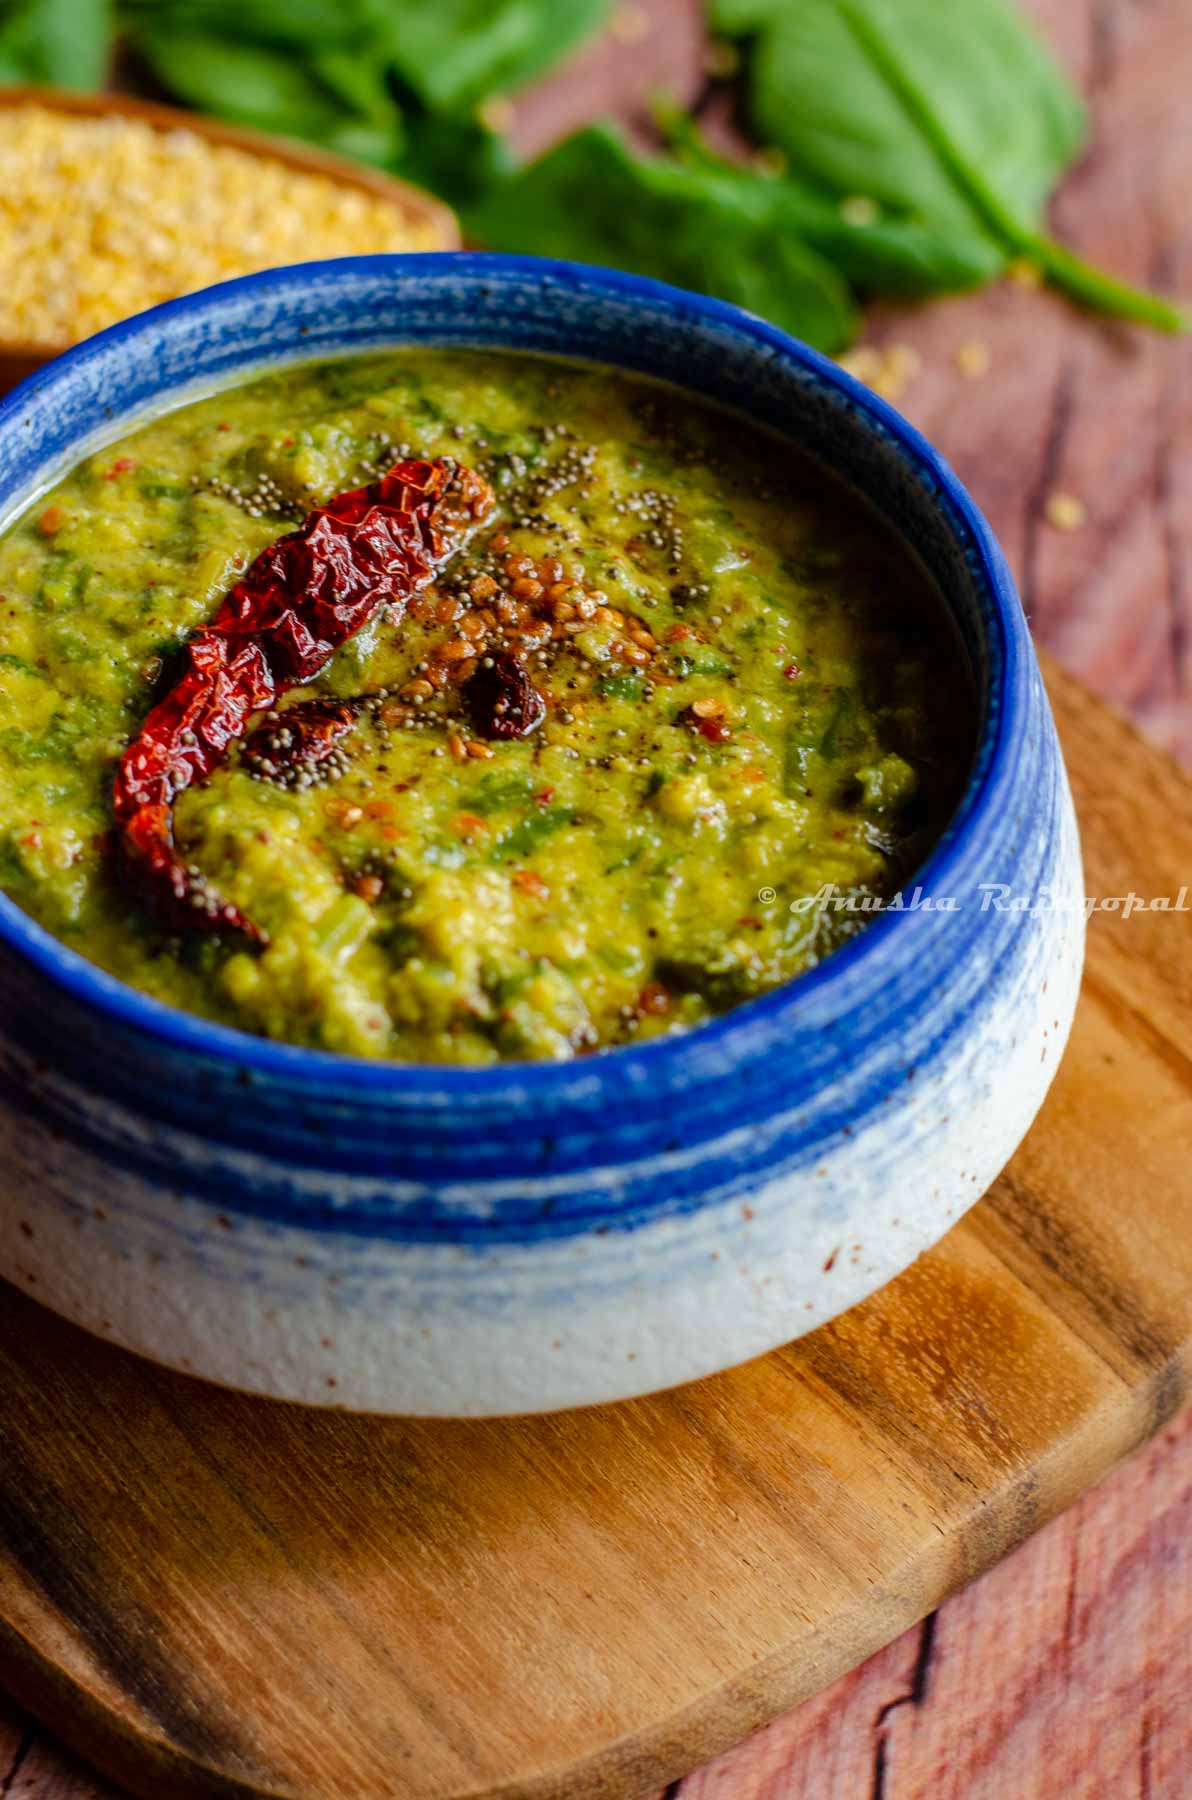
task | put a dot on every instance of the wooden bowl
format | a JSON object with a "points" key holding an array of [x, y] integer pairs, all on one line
{"points": [[19, 359]]}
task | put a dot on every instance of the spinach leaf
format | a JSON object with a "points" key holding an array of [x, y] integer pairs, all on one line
{"points": [[622, 687], [65, 43], [452, 53], [459, 159], [393, 82], [296, 25], [992, 85], [837, 733], [524, 838], [954, 116], [890, 253], [252, 83], [332, 96], [498, 793], [448, 55], [715, 974], [593, 200], [738, 18]]}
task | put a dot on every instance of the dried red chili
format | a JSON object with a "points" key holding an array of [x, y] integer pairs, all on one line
{"points": [[302, 598], [502, 701]]}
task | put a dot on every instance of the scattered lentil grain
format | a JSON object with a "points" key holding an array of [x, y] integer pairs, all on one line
{"points": [[1065, 512], [972, 358]]}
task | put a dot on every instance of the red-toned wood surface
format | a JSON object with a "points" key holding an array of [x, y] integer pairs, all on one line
{"points": [[1068, 1670]]}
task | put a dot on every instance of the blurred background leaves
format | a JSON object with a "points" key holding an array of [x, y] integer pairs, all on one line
{"points": [[910, 148]]}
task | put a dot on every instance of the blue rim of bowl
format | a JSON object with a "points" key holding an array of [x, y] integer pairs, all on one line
{"points": [[1003, 698]]}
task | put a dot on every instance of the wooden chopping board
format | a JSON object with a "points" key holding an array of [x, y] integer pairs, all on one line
{"points": [[212, 1595]]}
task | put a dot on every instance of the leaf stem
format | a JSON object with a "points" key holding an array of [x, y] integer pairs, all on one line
{"points": [[1086, 283]]}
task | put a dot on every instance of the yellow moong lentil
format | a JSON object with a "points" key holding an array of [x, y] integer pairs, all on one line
{"points": [[101, 217]]}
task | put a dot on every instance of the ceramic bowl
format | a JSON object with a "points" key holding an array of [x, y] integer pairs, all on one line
{"points": [[402, 1238]]}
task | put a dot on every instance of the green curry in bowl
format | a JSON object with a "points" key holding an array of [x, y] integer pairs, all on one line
{"points": [[748, 692]]}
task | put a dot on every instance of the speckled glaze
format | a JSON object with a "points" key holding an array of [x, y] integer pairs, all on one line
{"points": [[455, 1241]]}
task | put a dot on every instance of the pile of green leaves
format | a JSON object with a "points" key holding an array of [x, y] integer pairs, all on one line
{"points": [[916, 143], [706, 228], [955, 117], [919, 144], [395, 82]]}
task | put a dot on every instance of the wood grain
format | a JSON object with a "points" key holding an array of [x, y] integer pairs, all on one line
{"points": [[207, 1594], [1066, 1670]]}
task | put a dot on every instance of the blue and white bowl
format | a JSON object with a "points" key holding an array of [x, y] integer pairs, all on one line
{"points": [[401, 1238]]}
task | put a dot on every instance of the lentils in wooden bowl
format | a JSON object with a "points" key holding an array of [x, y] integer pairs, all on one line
{"points": [[110, 205]]}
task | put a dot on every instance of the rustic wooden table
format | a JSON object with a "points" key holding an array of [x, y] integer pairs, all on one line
{"points": [[1069, 1668]]}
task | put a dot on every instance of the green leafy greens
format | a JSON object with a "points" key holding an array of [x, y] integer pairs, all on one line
{"points": [[62, 42], [919, 142], [592, 200], [955, 117], [879, 253], [454, 53], [395, 82]]}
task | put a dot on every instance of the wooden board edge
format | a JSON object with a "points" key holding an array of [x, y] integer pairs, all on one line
{"points": [[627, 1768], [1072, 699], [745, 1704], [144, 1763]]}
